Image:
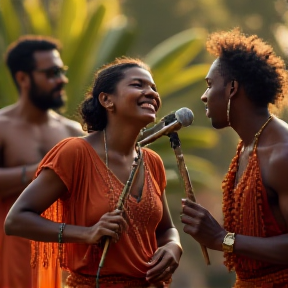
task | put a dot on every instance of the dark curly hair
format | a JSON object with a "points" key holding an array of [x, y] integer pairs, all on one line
{"points": [[93, 114], [20, 54], [253, 63]]}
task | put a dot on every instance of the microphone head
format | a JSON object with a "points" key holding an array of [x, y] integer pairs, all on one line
{"points": [[184, 116]]}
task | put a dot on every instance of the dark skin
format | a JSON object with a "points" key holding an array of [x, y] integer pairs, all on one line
{"points": [[28, 133], [246, 119], [130, 108]]}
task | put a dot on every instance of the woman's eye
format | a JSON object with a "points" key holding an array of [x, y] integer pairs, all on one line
{"points": [[136, 84]]}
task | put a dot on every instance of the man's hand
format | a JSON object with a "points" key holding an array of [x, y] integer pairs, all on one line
{"points": [[201, 225]]}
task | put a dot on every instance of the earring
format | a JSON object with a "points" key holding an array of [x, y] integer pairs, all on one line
{"points": [[110, 105], [228, 112]]}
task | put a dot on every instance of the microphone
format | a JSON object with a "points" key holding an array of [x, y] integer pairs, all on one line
{"points": [[168, 124]]}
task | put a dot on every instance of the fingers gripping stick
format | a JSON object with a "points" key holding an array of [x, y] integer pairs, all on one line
{"points": [[175, 144]]}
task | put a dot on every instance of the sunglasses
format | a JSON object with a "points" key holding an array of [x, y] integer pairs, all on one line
{"points": [[54, 72]]}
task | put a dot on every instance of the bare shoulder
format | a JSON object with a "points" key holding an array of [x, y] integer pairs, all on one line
{"points": [[7, 112], [277, 164], [7, 116], [74, 128], [279, 143]]}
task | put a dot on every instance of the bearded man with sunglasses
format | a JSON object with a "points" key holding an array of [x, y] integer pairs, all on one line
{"points": [[28, 129]]}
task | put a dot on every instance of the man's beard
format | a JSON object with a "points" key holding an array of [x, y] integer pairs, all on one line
{"points": [[46, 100]]}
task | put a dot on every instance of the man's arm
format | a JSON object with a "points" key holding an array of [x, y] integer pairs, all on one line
{"points": [[202, 226], [14, 180], [277, 179]]}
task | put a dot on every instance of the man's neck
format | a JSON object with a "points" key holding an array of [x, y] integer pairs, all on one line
{"points": [[30, 113]]}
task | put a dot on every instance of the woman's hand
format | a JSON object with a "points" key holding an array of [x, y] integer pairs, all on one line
{"points": [[164, 262], [111, 224]]}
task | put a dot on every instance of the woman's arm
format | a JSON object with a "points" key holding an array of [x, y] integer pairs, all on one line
{"points": [[166, 231], [166, 259], [24, 218]]}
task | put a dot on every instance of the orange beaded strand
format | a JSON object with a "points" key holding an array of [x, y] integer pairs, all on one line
{"points": [[242, 205]]}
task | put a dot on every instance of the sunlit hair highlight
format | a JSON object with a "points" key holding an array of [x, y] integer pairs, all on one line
{"points": [[94, 115], [253, 63]]}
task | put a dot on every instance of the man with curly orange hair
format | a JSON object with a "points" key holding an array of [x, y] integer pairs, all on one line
{"points": [[245, 82]]}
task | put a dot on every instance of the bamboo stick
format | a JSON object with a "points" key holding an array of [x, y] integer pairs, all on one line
{"points": [[119, 206], [175, 143]]}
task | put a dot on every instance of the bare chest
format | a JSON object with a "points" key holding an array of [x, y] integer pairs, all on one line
{"points": [[27, 144], [272, 196]]}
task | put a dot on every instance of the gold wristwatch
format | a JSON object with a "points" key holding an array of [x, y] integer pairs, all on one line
{"points": [[228, 242]]}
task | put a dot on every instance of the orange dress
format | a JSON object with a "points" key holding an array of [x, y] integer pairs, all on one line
{"points": [[15, 270], [247, 212], [93, 190]]}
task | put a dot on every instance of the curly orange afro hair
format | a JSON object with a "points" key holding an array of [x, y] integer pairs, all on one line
{"points": [[253, 63]]}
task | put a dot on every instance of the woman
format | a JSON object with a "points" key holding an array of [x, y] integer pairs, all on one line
{"points": [[71, 203]]}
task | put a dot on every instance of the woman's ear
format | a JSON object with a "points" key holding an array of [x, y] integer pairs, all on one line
{"points": [[106, 102]]}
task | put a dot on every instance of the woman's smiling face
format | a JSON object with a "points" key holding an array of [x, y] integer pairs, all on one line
{"points": [[136, 96]]}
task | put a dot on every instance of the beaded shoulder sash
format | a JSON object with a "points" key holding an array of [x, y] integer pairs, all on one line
{"points": [[242, 205]]}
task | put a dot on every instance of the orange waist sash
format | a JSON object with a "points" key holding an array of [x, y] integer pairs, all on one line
{"points": [[75, 280], [274, 280]]}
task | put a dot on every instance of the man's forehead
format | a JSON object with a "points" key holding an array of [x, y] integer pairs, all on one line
{"points": [[48, 58], [214, 69]]}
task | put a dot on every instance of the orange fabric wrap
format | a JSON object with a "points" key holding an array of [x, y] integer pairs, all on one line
{"points": [[247, 212], [90, 194], [15, 270]]}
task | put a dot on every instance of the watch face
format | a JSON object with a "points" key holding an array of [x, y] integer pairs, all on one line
{"points": [[229, 241]]}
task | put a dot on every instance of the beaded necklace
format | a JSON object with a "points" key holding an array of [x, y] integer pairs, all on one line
{"points": [[149, 202], [112, 192], [134, 168], [120, 203], [242, 204], [257, 135]]}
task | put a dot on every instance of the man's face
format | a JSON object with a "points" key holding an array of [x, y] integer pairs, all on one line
{"points": [[216, 97], [48, 80]]}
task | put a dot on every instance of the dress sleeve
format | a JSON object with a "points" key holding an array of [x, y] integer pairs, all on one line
{"points": [[63, 159], [157, 168]]}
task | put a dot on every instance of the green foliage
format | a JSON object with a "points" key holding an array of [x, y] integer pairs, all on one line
{"points": [[95, 32], [87, 30], [174, 70], [171, 61]]}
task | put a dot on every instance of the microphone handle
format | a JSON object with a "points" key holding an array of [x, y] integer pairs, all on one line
{"points": [[174, 126], [147, 132]]}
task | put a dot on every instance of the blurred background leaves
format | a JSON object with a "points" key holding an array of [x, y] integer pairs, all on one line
{"points": [[95, 32], [170, 36]]}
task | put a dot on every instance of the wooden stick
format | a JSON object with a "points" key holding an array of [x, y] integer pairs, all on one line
{"points": [[175, 143], [119, 206]]}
